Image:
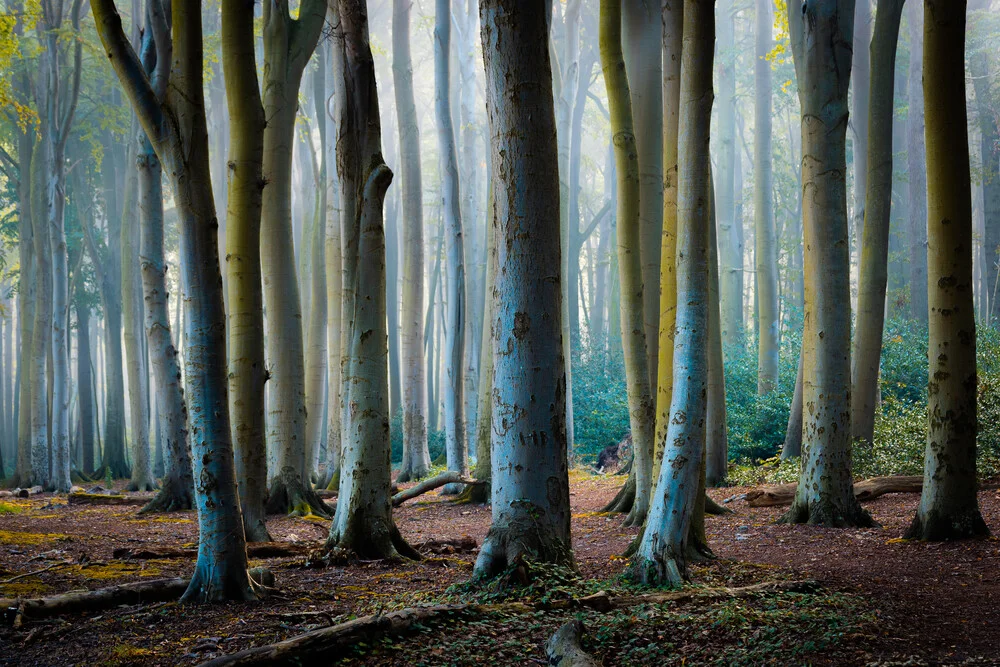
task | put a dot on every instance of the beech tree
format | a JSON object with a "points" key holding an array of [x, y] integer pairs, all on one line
{"points": [[173, 118], [949, 504], [530, 480]]}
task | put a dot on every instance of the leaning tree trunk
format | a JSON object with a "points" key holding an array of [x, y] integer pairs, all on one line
{"points": [[874, 269], [662, 553], [821, 48], [641, 419], [454, 409], [530, 480], [765, 243], [177, 492], [247, 373], [416, 457], [949, 505], [363, 522], [176, 125], [916, 166]]}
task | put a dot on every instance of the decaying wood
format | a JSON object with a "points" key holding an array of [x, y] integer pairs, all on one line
{"points": [[869, 489], [464, 544], [318, 644], [564, 650], [254, 550], [157, 590], [107, 499], [449, 477]]}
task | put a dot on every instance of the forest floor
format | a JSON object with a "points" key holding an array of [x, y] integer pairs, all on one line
{"points": [[882, 601]]}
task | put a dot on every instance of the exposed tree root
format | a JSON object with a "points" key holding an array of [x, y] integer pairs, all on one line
{"points": [[449, 477], [475, 494], [936, 527], [106, 499], [714, 508], [175, 496], [828, 513], [564, 648], [869, 489], [320, 644], [369, 539], [623, 501], [290, 495], [254, 550]]}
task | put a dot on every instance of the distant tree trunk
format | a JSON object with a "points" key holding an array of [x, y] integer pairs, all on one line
{"points": [[915, 166], [641, 416], [874, 269], [793, 433], [642, 42], [662, 553], [530, 480], [765, 243], [860, 74], [949, 505], [288, 45], [26, 305], [247, 372], [363, 522], [716, 433], [730, 246], [41, 332], [416, 458], [821, 47], [454, 348], [176, 126]]}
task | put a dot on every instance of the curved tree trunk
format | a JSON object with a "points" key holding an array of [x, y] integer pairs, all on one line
{"points": [[662, 553], [454, 406], [629, 257], [416, 457], [530, 480], [821, 47], [874, 269], [792, 446], [949, 504]]}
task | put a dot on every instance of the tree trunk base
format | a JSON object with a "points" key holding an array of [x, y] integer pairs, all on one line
{"points": [[411, 474], [827, 513], [475, 494], [452, 489], [625, 498], [510, 548], [234, 585], [175, 496], [564, 648], [714, 508], [937, 527], [290, 495], [370, 540]]}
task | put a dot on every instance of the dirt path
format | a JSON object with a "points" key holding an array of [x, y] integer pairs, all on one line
{"points": [[933, 602]]}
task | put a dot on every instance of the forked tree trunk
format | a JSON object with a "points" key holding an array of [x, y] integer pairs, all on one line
{"points": [[416, 457], [765, 243], [176, 125], [821, 47], [454, 349], [874, 269], [363, 522], [530, 480], [949, 504], [641, 419], [288, 45], [662, 553]]}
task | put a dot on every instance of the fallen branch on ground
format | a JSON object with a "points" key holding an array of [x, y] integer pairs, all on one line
{"points": [[449, 477], [106, 499], [320, 644], [254, 550], [869, 489], [31, 574], [564, 650]]}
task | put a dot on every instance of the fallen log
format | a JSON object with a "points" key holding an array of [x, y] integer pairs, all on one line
{"points": [[157, 590], [449, 477], [564, 650], [107, 499], [318, 644], [714, 508], [254, 550], [869, 489]]}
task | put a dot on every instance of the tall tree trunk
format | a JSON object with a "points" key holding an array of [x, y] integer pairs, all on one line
{"points": [[27, 299], [949, 505], [861, 98], [247, 372], [916, 166], [454, 347], [765, 243], [663, 548], [821, 47], [288, 45], [416, 458], [716, 433], [42, 328], [84, 383], [730, 246], [873, 272], [530, 480], [792, 446], [176, 126], [643, 43], [641, 419], [363, 522]]}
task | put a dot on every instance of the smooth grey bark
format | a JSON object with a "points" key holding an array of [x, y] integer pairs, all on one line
{"points": [[792, 446], [455, 301], [860, 102], [716, 433], [27, 297], [41, 329], [530, 479], [915, 166], [416, 458], [730, 238]]}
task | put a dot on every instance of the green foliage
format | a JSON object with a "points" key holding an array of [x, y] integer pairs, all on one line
{"points": [[435, 440], [600, 402]]}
